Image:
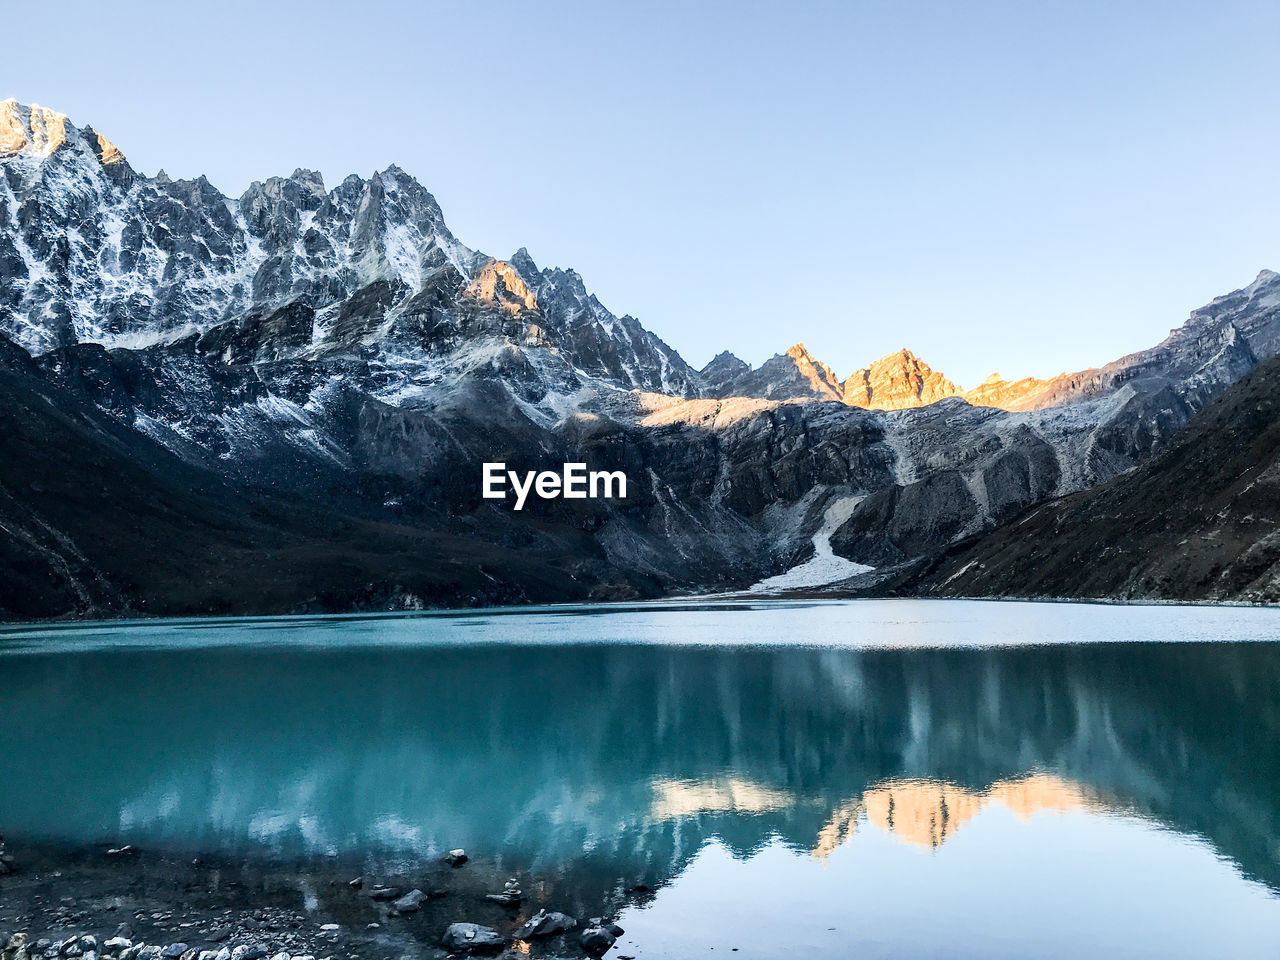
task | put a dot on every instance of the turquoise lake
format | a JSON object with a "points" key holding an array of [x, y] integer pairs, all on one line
{"points": [[860, 779]]}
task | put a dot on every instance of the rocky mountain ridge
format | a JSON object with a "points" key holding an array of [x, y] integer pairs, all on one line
{"points": [[342, 348], [1240, 321], [1199, 521], [92, 251]]}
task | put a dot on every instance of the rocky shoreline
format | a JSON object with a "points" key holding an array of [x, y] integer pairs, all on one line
{"points": [[120, 903]]}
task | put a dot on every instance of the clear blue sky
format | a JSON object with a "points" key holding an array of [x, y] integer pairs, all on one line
{"points": [[1028, 186]]}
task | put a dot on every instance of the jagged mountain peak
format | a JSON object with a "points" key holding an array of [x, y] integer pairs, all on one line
{"points": [[723, 370], [499, 284], [897, 381], [525, 265], [30, 129], [310, 180], [821, 378], [1264, 291], [903, 358], [905, 354], [108, 153], [727, 360], [793, 375], [41, 132], [903, 362], [801, 354], [91, 251]]}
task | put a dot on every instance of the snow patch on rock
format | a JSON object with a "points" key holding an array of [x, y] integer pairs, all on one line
{"points": [[824, 566]]}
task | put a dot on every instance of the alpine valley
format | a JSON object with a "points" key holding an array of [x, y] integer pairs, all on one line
{"points": [[282, 402]]}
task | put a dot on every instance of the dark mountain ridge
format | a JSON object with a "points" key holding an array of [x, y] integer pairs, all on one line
{"points": [[98, 519], [1199, 521]]}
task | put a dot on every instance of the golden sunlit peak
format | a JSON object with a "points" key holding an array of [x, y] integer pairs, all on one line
{"points": [[801, 355], [799, 352], [498, 284], [108, 153], [33, 130], [37, 131], [897, 381], [820, 377]]}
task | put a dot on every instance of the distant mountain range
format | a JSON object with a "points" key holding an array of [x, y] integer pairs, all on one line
{"points": [[282, 401]]}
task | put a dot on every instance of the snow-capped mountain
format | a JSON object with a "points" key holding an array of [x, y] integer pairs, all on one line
{"points": [[92, 251], [342, 349]]}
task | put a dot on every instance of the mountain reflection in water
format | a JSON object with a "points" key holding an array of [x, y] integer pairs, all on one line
{"points": [[626, 760], [927, 813]]}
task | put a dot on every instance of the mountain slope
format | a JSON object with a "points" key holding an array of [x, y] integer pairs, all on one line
{"points": [[97, 520], [1200, 521]]}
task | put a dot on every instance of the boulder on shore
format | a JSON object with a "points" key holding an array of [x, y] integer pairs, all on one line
{"points": [[545, 924], [596, 941], [410, 902], [472, 938]]}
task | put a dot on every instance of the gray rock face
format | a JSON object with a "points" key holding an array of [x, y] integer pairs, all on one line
{"points": [[596, 941], [1198, 521], [260, 336], [617, 349], [411, 902], [724, 370], [545, 924], [472, 938], [343, 349], [794, 375]]}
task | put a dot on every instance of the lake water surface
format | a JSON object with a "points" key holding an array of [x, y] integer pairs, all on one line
{"points": [[862, 779]]}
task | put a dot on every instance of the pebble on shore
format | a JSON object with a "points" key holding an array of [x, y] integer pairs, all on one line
{"points": [[262, 932], [18, 946]]}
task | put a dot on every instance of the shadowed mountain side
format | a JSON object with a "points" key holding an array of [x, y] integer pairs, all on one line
{"points": [[99, 520], [1200, 521]]}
